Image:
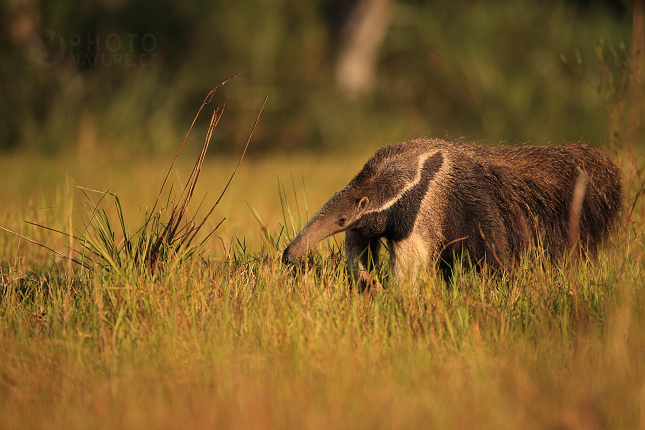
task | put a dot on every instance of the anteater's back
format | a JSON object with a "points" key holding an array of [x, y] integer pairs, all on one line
{"points": [[533, 189], [497, 202], [543, 179]]}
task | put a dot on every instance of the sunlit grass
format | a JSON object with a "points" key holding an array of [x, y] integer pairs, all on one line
{"points": [[245, 342]]}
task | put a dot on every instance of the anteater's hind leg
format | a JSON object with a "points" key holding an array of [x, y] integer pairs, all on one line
{"points": [[362, 257]]}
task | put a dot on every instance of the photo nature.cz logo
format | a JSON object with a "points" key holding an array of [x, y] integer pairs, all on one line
{"points": [[47, 48]]}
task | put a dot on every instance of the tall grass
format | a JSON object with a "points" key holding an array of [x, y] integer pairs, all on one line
{"points": [[249, 343]]}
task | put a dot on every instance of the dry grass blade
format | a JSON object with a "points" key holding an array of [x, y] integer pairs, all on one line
{"points": [[575, 212], [44, 246], [170, 235], [234, 171], [206, 101]]}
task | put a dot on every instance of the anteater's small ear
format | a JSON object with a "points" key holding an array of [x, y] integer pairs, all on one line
{"points": [[362, 204]]}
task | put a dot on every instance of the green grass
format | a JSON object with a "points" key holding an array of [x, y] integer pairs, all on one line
{"points": [[245, 342]]}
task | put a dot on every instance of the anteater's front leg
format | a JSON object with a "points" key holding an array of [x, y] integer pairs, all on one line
{"points": [[362, 256], [408, 257]]}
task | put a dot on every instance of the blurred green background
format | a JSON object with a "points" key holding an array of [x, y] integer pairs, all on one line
{"points": [[127, 76]]}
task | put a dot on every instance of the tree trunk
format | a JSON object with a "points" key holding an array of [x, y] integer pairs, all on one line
{"points": [[362, 36]]}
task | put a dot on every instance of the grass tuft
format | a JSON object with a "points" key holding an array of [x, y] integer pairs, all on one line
{"points": [[169, 234]]}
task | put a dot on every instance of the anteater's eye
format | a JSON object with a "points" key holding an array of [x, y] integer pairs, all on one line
{"points": [[341, 222]]}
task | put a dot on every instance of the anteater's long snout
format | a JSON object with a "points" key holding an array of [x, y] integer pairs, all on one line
{"points": [[296, 248], [318, 228]]}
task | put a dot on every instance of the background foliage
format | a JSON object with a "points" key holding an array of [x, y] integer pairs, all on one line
{"points": [[472, 69]]}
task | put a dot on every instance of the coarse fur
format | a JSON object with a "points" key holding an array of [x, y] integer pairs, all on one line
{"points": [[434, 200]]}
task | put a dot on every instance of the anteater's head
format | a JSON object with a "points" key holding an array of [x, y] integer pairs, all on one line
{"points": [[387, 177], [342, 212]]}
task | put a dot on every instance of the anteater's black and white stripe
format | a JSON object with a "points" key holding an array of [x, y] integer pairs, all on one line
{"points": [[432, 200]]}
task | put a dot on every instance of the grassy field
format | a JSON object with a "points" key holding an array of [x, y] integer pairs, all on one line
{"points": [[245, 342]]}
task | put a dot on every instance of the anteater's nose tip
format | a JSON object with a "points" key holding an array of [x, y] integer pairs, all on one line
{"points": [[285, 257]]}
